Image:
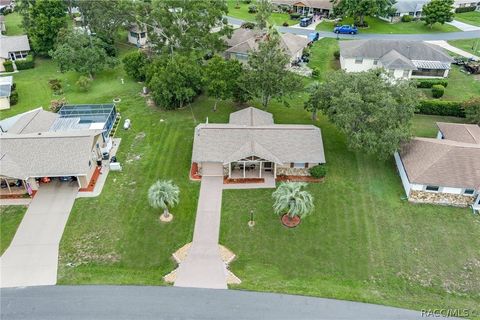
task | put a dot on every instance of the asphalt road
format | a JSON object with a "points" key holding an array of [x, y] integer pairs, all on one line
{"points": [[134, 302], [423, 36]]}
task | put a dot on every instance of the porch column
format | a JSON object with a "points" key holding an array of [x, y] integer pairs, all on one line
{"points": [[260, 172], [244, 169], [78, 181], [274, 170], [229, 170], [8, 186]]}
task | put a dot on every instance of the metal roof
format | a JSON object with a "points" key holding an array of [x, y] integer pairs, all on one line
{"points": [[425, 64]]}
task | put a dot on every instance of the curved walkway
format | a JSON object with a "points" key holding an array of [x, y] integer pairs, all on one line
{"points": [[422, 36], [140, 302]]}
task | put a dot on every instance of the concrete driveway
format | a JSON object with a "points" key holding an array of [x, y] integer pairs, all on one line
{"points": [[32, 257]]}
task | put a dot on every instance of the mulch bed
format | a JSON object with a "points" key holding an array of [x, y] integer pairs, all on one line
{"points": [[243, 180], [93, 181], [299, 179], [194, 175], [15, 196], [290, 222]]}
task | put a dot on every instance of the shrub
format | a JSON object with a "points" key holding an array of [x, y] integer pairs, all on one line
{"points": [[56, 86], [438, 90], [247, 1], [441, 108], [315, 72], [248, 25], [84, 83], [407, 18], [28, 63], [306, 52], [8, 66], [14, 86], [56, 105], [134, 65], [319, 171], [336, 54], [295, 16], [472, 110], [464, 9], [428, 83], [252, 9], [13, 98], [285, 24]]}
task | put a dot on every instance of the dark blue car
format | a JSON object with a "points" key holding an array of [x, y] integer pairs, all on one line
{"points": [[345, 29]]}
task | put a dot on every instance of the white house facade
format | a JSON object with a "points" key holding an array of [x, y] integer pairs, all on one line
{"points": [[444, 170], [401, 59]]}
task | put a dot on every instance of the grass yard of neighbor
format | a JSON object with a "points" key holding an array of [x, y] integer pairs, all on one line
{"points": [[13, 23], [377, 25], [10, 218], [241, 12], [470, 45], [363, 242], [472, 17]]}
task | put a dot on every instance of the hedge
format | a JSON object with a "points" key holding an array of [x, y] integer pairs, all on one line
{"points": [[295, 16], [319, 171], [465, 9], [428, 83], [441, 108], [438, 90], [8, 65], [28, 63]]}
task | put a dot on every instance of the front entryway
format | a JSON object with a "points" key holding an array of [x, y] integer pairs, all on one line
{"points": [[251, 169]]}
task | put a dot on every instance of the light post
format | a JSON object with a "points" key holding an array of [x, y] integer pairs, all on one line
{"points": [[251, 223]]}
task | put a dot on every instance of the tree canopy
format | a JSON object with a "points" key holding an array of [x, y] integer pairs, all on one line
{"points": [[372, 111], [174, 80], [80, 52], [438, 11], [135, 64], [42, 20], [290, 198], [184, 25], [267, 77], [264, 10], [359, 9]]}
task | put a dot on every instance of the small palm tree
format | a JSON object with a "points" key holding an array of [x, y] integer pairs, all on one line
{"points": [[292, 200], [163, 194]]}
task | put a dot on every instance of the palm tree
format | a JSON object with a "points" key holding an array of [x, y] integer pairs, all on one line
{"points": [[163, 194], [292, 200]]}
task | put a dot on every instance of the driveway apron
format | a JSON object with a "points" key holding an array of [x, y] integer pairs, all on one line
{"points": [[203, 267], [32, 257]]}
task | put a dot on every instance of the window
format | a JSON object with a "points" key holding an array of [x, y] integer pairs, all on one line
{"points": [[358, 60], [469, 192], [142, 35], [375, 62], [406, 73], [241, 56], [133, 34], [299, 165], [432, 188]]}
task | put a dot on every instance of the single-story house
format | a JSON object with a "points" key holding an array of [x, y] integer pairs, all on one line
{"points": [[307, 7], [13, 48], [6, 84], [7, 5], [443, 170], [138, 35], [243, 41], [414, 8], [402, 59], [251, 145]]}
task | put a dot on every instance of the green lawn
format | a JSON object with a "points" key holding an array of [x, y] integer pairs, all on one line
{"points": [[241, 12], [469, 45], [472, 17], [12, 23], [362, 243], [10, 217], [380, 26], [321, 56]]}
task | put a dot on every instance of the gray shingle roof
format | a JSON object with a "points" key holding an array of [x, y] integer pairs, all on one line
{"points": [[394, 60], [444, 163], [38, 120], [46, 154], [279, 143], [468, 133], [318, 4], [251, 117], [406, 6], [377, 48], [12, 44]]}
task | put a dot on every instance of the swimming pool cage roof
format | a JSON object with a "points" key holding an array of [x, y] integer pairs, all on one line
{"points": [[88, 114]]}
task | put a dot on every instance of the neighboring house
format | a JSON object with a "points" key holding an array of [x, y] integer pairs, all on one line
{"points": [[251, 145], [13, 48], [31, 151], [137, 35], [402, 59], [6, 84], [7, 5], [307, 7], [243, 41], [3, 27], [445, 170], [414, 8]]}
